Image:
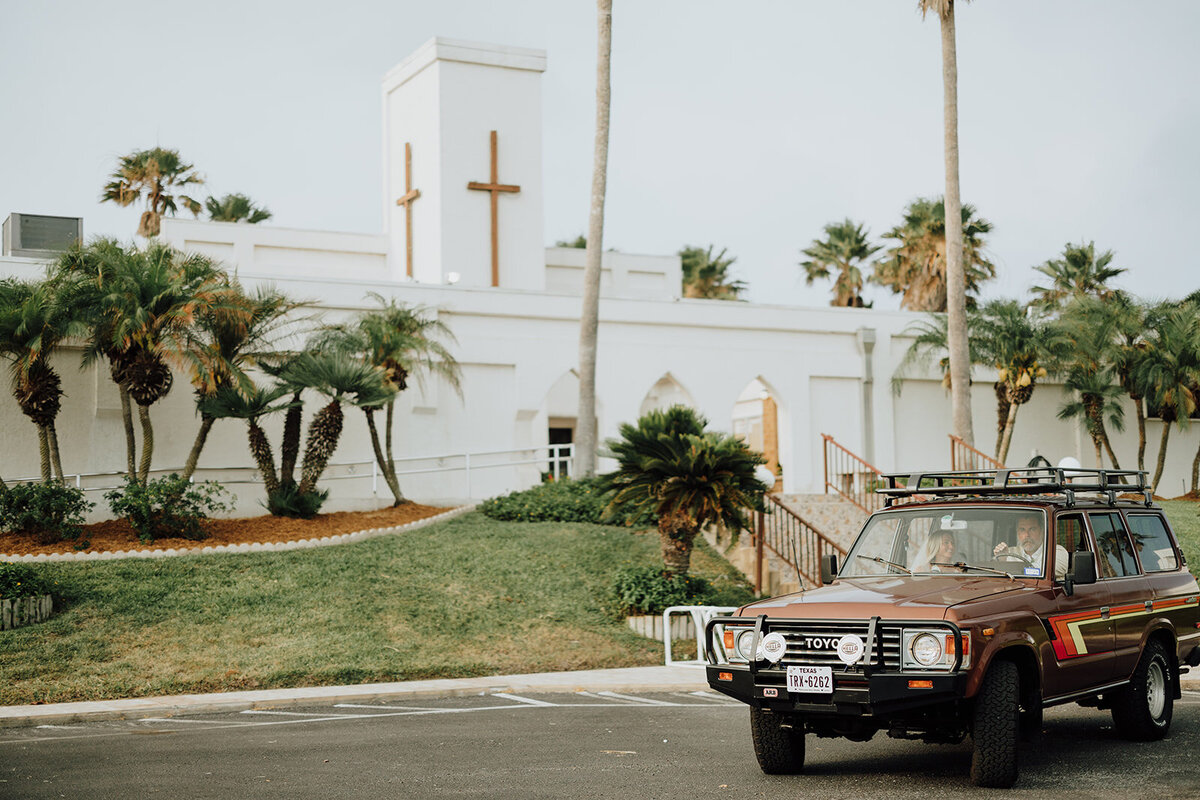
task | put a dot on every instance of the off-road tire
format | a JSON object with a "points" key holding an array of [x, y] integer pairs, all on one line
{"points": [[1142, 710], [995, 727], [780, 751]]}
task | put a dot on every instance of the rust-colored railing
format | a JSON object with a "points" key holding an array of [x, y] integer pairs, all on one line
{"points": [[964, 456], [793, 540], [850, 476]]}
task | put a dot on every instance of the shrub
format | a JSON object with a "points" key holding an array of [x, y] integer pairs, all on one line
{"points": [[556, 501], [650, 590], [286, 501], [21, 580], [167, 507], [50, 511]]}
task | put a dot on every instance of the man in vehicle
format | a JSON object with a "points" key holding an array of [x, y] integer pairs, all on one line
{"points": [[1031, 545]]}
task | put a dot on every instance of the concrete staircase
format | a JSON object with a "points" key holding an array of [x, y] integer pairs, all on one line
{"points": [[838, 519]]}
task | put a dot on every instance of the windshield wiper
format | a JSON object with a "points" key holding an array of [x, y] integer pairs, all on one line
{"points": [[879, 560], [965, 565]]}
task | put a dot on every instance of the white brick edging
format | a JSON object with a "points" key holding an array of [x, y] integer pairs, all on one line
{"points": [[257, 547]]}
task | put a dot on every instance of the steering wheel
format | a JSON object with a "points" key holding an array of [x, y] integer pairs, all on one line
{"points": [[1009, 555]]}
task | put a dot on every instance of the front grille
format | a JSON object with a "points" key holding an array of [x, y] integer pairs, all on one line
{"points": [[801, 649]]}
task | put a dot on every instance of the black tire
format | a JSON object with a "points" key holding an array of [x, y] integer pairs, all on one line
{"points": [[780, 751], [1031, 719], [1142, 710], [995, 727]]}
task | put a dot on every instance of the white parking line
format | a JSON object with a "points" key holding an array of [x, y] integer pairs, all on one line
{"points": [[526, 700], [386, 708], [188, 721], [716, 699], [293, 713], [644, 701]]}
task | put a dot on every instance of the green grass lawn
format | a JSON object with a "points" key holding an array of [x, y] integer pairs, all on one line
{"points": [[1184, 516], [467, 597]]}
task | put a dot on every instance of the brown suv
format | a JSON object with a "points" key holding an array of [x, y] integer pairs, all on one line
{"points": [[954, 615]]}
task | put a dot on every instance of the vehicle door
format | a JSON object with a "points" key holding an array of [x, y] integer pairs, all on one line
{"points": [[1173, 587], [1081, 639], [1130, 596]]}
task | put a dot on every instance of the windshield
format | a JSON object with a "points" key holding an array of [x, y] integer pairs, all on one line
{"points": [[954, 541]]}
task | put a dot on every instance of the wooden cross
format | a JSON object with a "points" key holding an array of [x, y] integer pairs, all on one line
{"points": [[494, 187], [410, 194]]}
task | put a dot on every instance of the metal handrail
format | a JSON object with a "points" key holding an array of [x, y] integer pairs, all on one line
{"points": [[856, 478], [970, 457], [794, 540]]}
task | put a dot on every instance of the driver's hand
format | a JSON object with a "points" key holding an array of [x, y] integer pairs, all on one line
{"points": [[1000, 548]]}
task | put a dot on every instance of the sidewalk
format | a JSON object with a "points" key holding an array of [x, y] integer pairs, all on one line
{"points": [[628, 679]]}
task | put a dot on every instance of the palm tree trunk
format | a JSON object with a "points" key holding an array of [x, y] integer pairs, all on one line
{"points": [[589, 319], [260, 449], [147, 444], [1002, 451], [391, 481], [1195, 473], [391, 460], [289, 448], [1162, 456], [1141, 426], [1003, 406], [44, 452], [323, 435], [676, 532], [55, 457], [206, 423], [956, 296], [1099, 452], [1108, 449], [130, 443]]}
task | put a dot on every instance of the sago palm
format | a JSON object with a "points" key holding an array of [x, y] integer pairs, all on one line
{"points": [[685, 477], [156, 175], [842, 254]]}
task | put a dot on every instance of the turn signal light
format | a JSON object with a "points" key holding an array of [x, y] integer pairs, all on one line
{"points": [[728, 676], [950, 640], [920, 684], [728, 640]]}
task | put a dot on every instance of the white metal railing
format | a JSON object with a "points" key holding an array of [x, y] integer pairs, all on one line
{"points": [[558, 460]]}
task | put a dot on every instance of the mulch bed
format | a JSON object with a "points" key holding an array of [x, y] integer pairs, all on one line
{"points": [[115, 534]]}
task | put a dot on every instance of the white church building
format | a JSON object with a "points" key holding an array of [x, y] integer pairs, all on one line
{"points": [[464, 237]]}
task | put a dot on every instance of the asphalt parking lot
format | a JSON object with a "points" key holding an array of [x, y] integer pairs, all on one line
{"points": [[571, 744]]}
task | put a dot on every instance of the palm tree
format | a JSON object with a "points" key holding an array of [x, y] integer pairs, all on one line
{"points": [[589, 319], [226, 341], [250, 403], [403, 341], [1095, 402], [954, 216], [1170, 372], [1080, 272], [155, 174], [915, 266], [844, 250], [32, 325], [706, 275], [236, 208], [669, 466]]}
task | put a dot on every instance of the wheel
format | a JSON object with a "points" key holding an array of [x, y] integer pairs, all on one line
{"points": [[1030, 720], [780, 751], [995, 726], [1142, 710]]}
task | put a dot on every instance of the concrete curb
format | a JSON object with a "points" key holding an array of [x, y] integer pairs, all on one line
{"points": [[628, 679], [257, 547]]}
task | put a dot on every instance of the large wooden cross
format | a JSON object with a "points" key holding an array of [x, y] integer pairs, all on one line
{"points": [[494, 187], [410, 194]]}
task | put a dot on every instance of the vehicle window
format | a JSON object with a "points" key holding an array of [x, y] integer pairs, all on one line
{"points": [[924, 540], [1116, 552], [1153, 543], [1071, 537]]}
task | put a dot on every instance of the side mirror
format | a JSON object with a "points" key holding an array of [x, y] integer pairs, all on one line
{"points": [[829, 567], [1084, 571]]}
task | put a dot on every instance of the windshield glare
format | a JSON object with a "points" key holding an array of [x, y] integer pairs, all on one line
{"points": [[1011, 541]]}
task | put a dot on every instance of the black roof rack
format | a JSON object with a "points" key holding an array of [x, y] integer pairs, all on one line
{"points": [[1019, 481]]}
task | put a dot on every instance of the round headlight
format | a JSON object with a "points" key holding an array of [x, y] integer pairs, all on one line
{"points": [[926, 649], [745, 640]]}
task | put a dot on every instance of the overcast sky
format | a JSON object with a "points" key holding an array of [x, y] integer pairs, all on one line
{"points": [[747, 125]]}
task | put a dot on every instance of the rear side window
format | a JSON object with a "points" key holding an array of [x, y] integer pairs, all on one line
{"points": [[1116, 552], [1153, 543]]}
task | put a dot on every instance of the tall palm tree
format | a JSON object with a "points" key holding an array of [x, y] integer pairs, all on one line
{"points": [[1080, 272], [33, 323], [155, 175], [707, 276], [844, 251], [589, 320], [236, 208], [1096, 402], [669, 466], [225, 342], [958, 278], [1170, 372], [916, 267]]}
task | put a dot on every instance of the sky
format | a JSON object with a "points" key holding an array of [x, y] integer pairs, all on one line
{"points": [[747, 125]]}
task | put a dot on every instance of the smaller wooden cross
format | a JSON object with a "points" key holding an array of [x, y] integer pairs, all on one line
{"points": [[410, 194], [494, 187]]}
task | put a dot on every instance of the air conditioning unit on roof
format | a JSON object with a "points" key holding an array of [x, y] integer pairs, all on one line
{"points": [[38, 236]]}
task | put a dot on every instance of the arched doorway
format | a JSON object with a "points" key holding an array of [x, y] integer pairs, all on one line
{"points": [[665, 392], [756, 419]]}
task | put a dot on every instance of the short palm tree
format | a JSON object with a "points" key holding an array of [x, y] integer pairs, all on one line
{"points": [[915, 267], [250, 403], [1080, 272], [843, 252], [1095, 401], [236, 208], [706, 275], [1169, 372], [688, 478], [155, 175]]}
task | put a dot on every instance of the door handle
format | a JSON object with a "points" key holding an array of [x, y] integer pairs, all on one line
{"points": [[1104, 612], [1149, 605]]}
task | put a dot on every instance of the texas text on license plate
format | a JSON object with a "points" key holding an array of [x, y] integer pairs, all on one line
{"points": [[814, 680]]}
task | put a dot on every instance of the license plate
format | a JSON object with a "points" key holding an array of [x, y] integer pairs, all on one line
{"points": [[810, 680]]}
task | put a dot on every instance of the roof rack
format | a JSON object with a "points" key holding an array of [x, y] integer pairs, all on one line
{"points": [[1020, 481]]}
